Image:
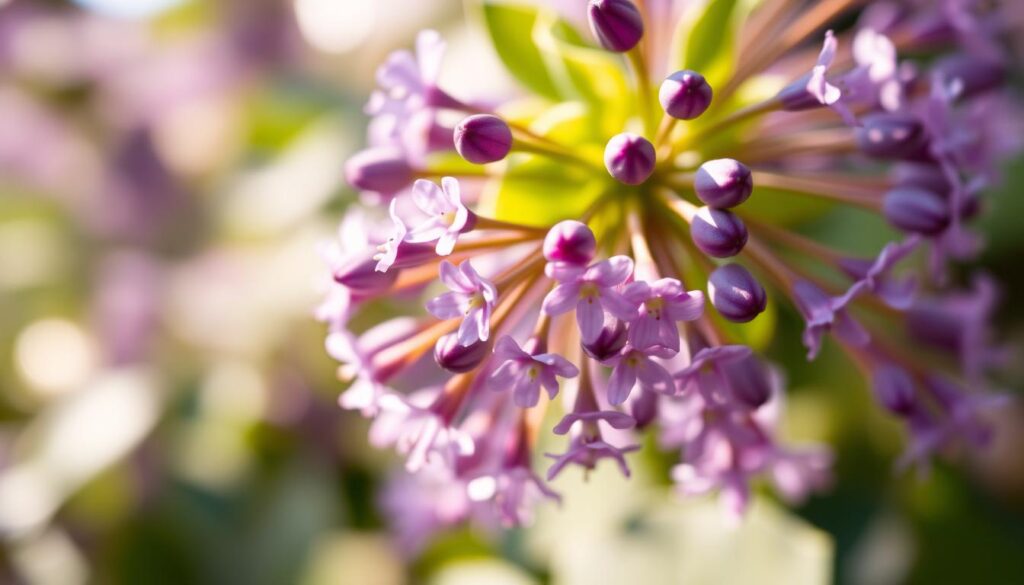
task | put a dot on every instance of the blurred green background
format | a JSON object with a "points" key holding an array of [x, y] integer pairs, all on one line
{"points": [[168, 413]]}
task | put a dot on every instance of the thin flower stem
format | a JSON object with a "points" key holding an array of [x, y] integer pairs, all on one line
{"points": [[736, 117], [848, 193], [488, 223], [772, 266], [550, 151], [643, 87], [795, 241], [809, 21]]}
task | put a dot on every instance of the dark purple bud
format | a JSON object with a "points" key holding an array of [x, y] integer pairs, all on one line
{"points": [[717, 232], [360, 274], [383, 169], [629, 158], [736, 294], [609, 343], [617, 24], [749, 381], [921, 175], [893, 136], [571, 242], [894, 390], [916, 210], [460, 358], [976, 75], [685, 95], [483, 139], [723, 183]]}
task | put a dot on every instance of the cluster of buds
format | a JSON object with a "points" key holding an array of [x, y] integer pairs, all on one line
{"points": [[597, 311]]}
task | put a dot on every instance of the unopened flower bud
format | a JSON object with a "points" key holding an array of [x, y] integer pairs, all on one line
{"points": [[736, 294], [617, 24], [718, 233], [892, 136], [922, 175], [749, 381], [723, 183], [916, 210], [685, 95], [483, 138], [360, 274], [460, 358], [383, 170], [629, 158], [976, 75], [609, 343], [894, 390], [570, 242]]}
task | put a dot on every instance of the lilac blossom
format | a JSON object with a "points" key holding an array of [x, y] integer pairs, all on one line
{"points": [[875, 276], [526, 372], [823, 313], [660, 304], [717, 404], [448, 216], [635, 367], [591, 291], [472, 298]]}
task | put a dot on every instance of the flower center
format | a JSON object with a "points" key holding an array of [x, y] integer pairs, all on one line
{"points": [[589, 292], [654, 307]]}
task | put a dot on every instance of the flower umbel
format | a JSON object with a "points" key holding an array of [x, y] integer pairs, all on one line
{"points": [[580, 244]]}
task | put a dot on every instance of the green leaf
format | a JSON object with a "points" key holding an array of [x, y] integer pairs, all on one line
{"points": [[511, 29], [782, 207], [705, 39], [590, 75]]}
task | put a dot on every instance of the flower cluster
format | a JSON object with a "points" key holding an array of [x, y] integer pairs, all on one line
{"points": [[605, 275]]}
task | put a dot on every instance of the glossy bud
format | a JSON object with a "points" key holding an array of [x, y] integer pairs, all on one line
{"points": [[629, 158], [383, 170], [723, 183], [617, 24], [975, 75], [570, 242], [483, 139], [736, 294], [685, 95], [916, 210], [892, 136], [460, 358], [718, 233]]}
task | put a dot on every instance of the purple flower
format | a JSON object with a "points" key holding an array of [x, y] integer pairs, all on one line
{"points": [[417, 430], [389, 249], [525, 372], [591, 291], [472, 298], [959, 417], [408, 83], [634, 366], [659, 305], [586, 453], [708, 358], [875, 276], [824, 313], [514, 489], [356, 357], [448, 216]]}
